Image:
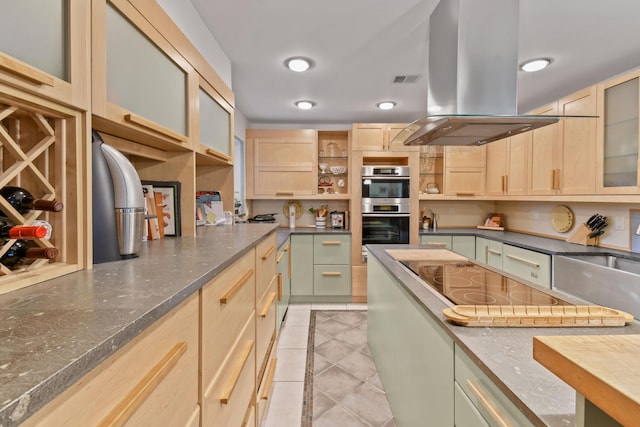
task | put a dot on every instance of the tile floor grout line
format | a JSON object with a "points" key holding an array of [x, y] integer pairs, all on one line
{"points": [[307, 401]]}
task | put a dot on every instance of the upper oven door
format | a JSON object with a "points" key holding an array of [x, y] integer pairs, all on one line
{"points": [[385, 187]]}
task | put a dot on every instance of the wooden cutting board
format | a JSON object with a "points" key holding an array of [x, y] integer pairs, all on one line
{"points": [[537, 316], [425, 255], [603, 368]]}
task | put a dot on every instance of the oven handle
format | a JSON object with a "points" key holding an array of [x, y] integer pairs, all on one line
{"points": [[387, 215], [381, 177]]}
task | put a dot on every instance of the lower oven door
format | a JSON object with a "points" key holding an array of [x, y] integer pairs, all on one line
{"points": [[385, 229]]}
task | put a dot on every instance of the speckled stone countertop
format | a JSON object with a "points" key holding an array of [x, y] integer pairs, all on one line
{"points": [[506, 354], [53, 333], [541, 244]]}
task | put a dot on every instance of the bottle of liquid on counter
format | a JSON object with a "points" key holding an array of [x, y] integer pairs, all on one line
{"points": [[23, 201], [21, 251], [8, 230]]}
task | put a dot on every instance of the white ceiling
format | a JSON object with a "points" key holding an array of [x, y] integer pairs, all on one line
{"points": [[359, 46]]}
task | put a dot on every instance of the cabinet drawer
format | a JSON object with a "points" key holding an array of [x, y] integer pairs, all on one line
{"points": [[265, 263], [167, 350], [227, 398], [484, 394], [227, 303], [464, 245], [331, 249], [332, 280], [466, 414], [265, 324], [266, 387], [529, 265], [443, 242]]}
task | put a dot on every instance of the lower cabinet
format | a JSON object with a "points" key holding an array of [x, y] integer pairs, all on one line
{"points": [[413, 355], [321, 266], [152, 380], [463, 245], [479, 402], [529, 265], [489, 252], [283, 271]]}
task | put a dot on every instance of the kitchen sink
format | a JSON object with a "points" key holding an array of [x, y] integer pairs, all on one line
{"points": [[600, 279]]}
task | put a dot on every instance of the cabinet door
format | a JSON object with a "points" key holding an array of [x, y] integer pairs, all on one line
{"points": [[618, 130], [301, 265], [215, 124], [44, 49], [329, 280], [368, 136], [332, 249], [495, 182], [545, 155], [283, 162], [398, 145], [464, 170], [518, 164], [578, 143], [528, 265], [437, 241], [489, 252], [464, 245], [466, 414], [283, 268]]}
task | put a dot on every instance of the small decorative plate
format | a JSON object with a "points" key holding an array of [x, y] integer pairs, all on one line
{"points": [[562, 219], [285, 208]]}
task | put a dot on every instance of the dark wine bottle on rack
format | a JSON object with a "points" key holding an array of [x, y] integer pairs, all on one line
{"points": [[23, 201], [8, 230], [21, 251]]}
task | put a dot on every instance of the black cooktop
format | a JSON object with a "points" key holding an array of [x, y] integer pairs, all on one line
{"points": [[466, 283]]}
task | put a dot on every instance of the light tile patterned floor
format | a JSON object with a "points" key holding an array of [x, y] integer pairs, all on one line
{"points": [[346, 388]]}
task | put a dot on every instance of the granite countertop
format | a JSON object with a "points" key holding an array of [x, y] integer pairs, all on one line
{"points": [[53, 333], [536, 243], [505, 354]]}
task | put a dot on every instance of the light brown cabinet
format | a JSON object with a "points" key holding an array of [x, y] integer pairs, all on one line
{"points": [[281, 163], [507, 165], [378, 137], [545, 157], [334, 155], [464, 170], [618, 131]]}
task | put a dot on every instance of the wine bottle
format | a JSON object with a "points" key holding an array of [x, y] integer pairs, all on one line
{"points": [[8, 230], [20, 251], [23, 201]]}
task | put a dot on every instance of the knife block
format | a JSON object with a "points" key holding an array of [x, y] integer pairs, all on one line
{"points": [[581, 236]]}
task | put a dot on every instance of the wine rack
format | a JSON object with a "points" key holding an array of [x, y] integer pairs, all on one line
{"points": [[40, 151]]}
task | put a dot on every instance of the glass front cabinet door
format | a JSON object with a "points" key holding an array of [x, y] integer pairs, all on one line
{"points": [[618, 126]]}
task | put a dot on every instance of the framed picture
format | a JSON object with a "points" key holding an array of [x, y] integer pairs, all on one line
{"points": [[494, 220], [170, 204]]}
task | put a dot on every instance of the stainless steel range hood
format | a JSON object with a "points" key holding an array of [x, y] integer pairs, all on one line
{"points": [[473, 66]]}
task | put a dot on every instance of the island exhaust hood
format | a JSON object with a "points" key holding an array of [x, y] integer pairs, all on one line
{"points": [[473, 66]]}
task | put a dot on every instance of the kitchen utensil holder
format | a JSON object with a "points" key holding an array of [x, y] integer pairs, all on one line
{"points": [[581, 236]]}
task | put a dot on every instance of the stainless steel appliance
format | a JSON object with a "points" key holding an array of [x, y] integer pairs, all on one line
{"points": [[385, 205], [337, 219]]}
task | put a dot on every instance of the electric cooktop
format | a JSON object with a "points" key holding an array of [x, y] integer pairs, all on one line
{"points": [[466, 283]]}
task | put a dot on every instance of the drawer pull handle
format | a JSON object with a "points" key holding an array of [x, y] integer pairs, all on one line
{"points": [[24, 71], [459, 194], [279, 286], [127, 406], [280, 256], [484, 399], [284, 193], [237, 370], [268, 304], [224, 299], [331, 242], [331, 273], [523, 261], [269, 380], [436, 244], [155, 128], [286, 248], [494, 252], [219, 156], [269, 252]]}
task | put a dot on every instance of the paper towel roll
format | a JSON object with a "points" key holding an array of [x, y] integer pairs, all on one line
{"points": [[292, 216]]}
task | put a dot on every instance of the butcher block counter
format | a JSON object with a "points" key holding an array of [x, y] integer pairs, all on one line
{"points": [[603, 369]]}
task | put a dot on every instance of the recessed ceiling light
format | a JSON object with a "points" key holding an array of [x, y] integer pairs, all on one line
{"points": [[386, 105], [535, 64], [298, 64], [305, 105]]}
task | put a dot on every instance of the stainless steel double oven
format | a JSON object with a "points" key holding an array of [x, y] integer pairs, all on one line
{"points": [[385, 205]]}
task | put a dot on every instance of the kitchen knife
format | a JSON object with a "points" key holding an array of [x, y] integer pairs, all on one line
{"points": [[596, 233], [591, 220], [598, 224]]}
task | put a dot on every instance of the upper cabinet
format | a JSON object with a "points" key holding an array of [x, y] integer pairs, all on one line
{"points": [[215, 124], [333, 164], [618, 130], [281, 163], [464, 170], [378, 137], [50, 56], [562, 155], [507, 165], [140, 82]]}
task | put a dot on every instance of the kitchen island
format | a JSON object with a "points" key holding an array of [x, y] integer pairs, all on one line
{"points": [[444, 353], [55, 332]]}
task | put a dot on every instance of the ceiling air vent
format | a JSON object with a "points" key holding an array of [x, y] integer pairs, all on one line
{"points": [[412, 78]]}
